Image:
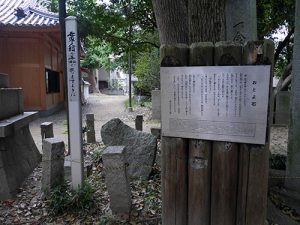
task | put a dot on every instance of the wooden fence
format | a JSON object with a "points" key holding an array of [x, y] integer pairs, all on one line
{"points": [[231, 187]]}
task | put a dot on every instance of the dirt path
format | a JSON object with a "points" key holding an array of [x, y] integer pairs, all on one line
{"points": [[104, 108]]}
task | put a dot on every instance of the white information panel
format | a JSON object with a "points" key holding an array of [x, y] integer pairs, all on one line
{"points": [[220, 103]]}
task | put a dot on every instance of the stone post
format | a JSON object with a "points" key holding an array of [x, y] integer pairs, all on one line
{"points": [[139, 122], [47, 130], [241, 24], [90, 125], [52, 163], [116, 180], [155, 98]]}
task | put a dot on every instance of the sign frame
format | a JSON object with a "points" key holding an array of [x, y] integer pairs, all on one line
{"points": [[218, 103]]}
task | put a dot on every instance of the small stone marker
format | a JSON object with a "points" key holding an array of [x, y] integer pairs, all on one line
{"points": [[116, 179], [156, 106], [139, 122], [53, 163], [47, 130], [282, 113], [90, 125]]}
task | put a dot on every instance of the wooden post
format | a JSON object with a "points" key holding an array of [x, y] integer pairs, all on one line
{"points": [[254, 159], [225, 154], [174, 154], [199, 167]]}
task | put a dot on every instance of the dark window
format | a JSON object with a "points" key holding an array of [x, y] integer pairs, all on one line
{"points": [[52, 81]]}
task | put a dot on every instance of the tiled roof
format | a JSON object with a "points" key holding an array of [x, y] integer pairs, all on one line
{"points": [[26, 13]]}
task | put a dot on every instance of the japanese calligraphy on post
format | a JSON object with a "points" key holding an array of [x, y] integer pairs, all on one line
{"points": [[72, 64], [221, 103], [74, 103]]}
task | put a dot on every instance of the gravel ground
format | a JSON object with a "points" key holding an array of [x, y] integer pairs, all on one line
{"points": [[279, 140]]}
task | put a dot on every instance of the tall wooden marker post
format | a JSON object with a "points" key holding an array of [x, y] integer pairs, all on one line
{"points": [[74, 93]]}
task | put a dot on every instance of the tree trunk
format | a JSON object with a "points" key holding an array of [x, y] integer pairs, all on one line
{"points": [[206, 20], [92, 80], [293, 162], [172, 22], [189, 21]]}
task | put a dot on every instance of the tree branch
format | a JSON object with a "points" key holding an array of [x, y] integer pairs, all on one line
{"points": [[146, 42], [282, 44], [285, 79]]}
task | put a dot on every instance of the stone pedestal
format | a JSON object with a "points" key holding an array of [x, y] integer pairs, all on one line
{"points": [[53, 163], [116, 179]]}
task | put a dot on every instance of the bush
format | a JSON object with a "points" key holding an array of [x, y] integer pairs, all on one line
{"points": [[62, 198], [278, 162], [146, 69], [145, 102]]}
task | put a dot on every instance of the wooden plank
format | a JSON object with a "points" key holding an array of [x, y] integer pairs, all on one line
{"points": [[259, 52], [257, 184], [174, 180], [199, 167], [174, 154], [199, 170], [243, 172], [225, 154]]}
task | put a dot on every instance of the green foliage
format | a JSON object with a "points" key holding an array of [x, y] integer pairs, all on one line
{"points": [[97, 54], [278, 162], [97, 155], [145, 102], [147, 71], [62, 199], [108, 220], [271, 15], [114, 84], [116, 27]]}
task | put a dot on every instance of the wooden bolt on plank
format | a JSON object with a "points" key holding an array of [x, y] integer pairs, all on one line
{"points": [[199, 167], [174, 154]]}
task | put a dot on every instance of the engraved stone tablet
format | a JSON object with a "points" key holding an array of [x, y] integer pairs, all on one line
{"points": [[220, 103]]}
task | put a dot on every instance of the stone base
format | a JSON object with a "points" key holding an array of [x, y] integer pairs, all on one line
{"points": [[18, 157]]}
